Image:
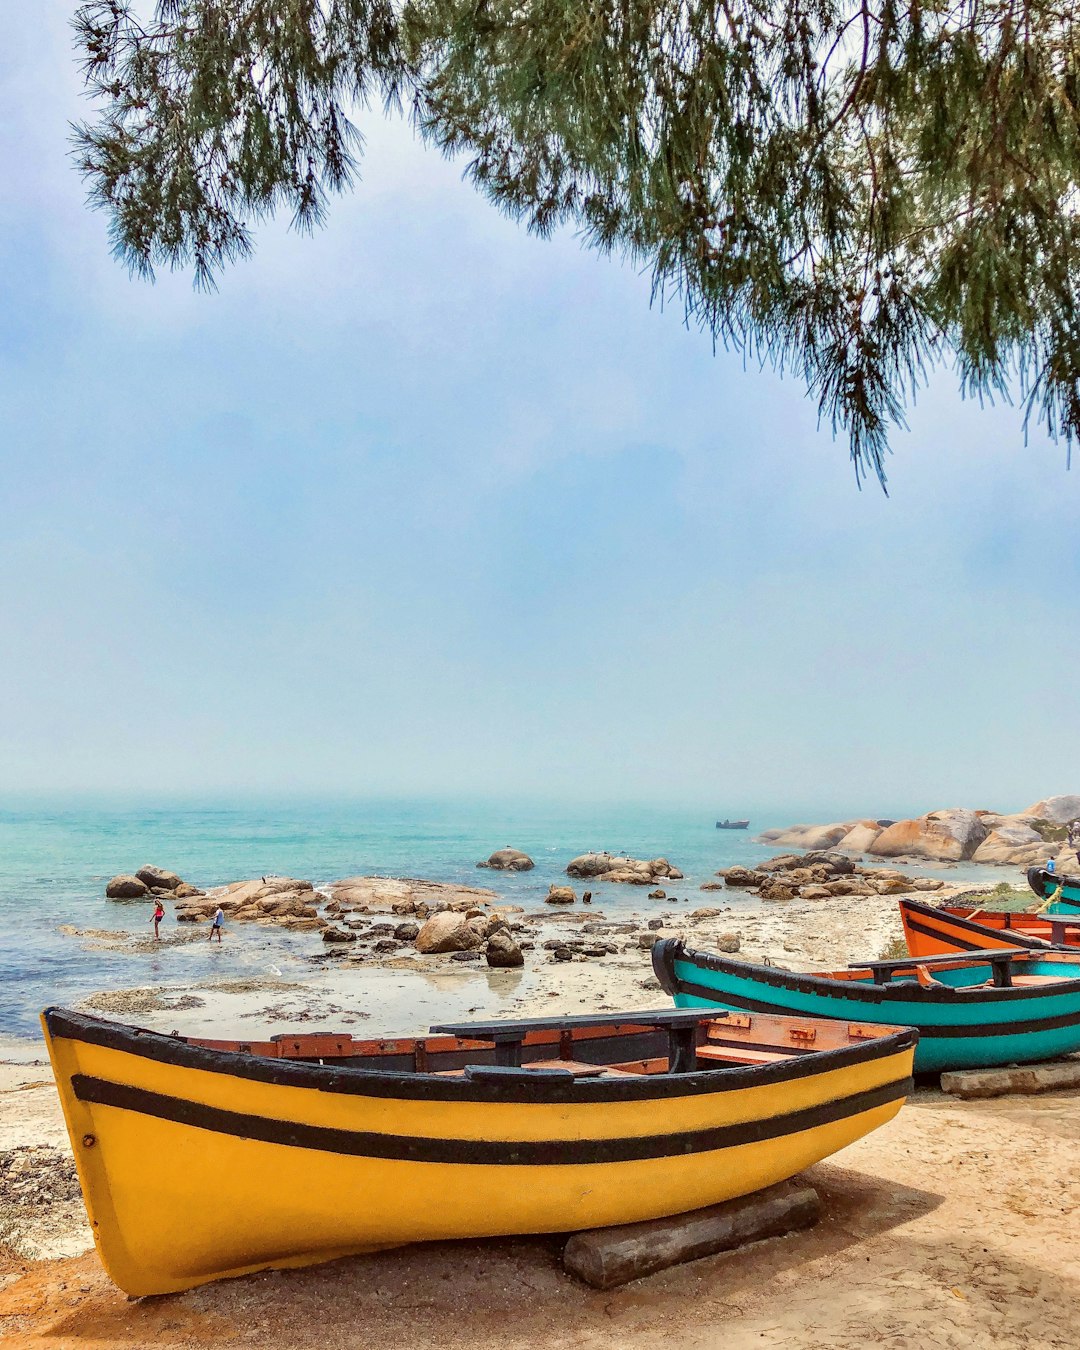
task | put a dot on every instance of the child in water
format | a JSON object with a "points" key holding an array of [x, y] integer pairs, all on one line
{"points": [[219, 919], [159, 914]]}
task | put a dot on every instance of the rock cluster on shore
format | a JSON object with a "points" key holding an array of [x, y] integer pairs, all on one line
{"points": [[613, 867], [820, 875], [150, 881], [953, 835]]}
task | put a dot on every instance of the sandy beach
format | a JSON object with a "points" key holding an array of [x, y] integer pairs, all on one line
{"points": [[952, 1226], [928, 1232]]}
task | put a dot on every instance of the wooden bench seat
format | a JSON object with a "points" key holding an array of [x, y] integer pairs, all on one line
{"points": [[740, 1054]]}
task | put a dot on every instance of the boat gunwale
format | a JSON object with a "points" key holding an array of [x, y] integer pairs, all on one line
{"points": [[1017, 938], [668, 951], [1050, 881], [65, 1024]]}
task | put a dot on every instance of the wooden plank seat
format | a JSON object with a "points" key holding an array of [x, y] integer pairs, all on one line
{"points": [[740, 1054], [574, 1067]]}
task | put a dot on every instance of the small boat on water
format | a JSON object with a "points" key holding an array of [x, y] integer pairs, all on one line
{"points": [[732, 824], [1061, 889], [204, 1159], [982, 1008], [931, 930]]}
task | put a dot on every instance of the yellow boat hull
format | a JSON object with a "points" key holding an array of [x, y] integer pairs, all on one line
{"points": [[197, 1165]]}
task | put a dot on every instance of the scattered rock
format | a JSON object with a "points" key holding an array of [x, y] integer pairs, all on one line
{"points": [[655, 923], [502, 950], [465, 956], [727, 942], [561, 954], [658, 895], [447, 931], [332, 934], [560, 895], [126, 888], [407, 932], [706, 913], [739, 878], [186, 891]]}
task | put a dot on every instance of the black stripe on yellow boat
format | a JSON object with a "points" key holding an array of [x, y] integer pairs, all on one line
{"points": [[926, 1031], [523, 1087], [484, 1152]]}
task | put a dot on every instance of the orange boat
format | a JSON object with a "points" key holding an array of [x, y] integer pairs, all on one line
{"points": [[931, 931]]}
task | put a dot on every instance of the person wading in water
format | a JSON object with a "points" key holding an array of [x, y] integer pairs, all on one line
{"points": [[219, 919], [159, 914]]}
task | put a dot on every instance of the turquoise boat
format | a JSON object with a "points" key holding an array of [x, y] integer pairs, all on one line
{"points": [[1064, 889], [972, 1011]]}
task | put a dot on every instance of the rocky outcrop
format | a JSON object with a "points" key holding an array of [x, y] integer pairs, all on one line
{"points": [[126, 888], [449, 931], [560, 895], [503, 951], [157, 876], [956, 835], [406, 895], [615, 868], [859, 838], [819, 875], [509, 860], [284, 901], [941, 836], [808, 836], [1059, 810], [1012, 843]]}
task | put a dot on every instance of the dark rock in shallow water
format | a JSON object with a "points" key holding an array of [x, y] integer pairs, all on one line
{"points": [[465, 956], [562, 954], [333, 934], [407, 932]]}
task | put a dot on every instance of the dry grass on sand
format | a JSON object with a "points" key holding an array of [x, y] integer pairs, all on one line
{"points": [[952, 1226]]}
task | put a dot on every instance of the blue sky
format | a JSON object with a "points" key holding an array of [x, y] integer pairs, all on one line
{"points": [[425, 505]]}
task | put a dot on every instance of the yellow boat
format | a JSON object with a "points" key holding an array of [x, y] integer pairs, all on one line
{"points": [[205, 1159]]}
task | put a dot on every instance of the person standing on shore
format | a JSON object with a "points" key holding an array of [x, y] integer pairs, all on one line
{"points": [[215, 927], [159, 914]]}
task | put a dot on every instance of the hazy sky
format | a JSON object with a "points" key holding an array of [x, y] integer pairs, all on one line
{"points": [[425, 505]]}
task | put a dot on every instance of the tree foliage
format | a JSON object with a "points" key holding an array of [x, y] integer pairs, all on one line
{"points": [[854, 189]]}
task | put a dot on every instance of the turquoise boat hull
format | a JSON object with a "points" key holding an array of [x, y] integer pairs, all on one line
{"points": [[1045, 884], [963, 1022]]}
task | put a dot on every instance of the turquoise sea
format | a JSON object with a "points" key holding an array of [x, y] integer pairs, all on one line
{"points": [[55, 861]]}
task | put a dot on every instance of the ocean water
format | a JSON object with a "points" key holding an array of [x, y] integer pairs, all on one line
{"points": [[55, 862]]}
